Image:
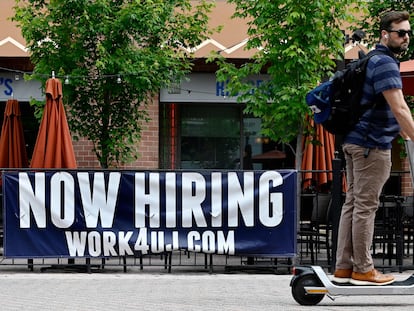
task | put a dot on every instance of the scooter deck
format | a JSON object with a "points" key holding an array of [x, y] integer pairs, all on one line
{"points": [[407, 282], [404, 287]]}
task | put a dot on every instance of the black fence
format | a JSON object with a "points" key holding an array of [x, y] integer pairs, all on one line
{"points": [[393, 241], [392, 248]]}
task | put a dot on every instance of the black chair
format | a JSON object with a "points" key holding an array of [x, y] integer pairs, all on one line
{"points": [[316, 232], [388, 231], [408, 225]]}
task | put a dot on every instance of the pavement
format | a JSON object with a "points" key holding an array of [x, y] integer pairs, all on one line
{"points": [[155, 289]]}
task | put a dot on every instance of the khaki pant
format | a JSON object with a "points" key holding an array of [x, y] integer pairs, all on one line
{"points": [[366, 177]]}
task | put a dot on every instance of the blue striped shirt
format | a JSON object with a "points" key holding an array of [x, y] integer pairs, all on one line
{"points": [[377, 127]]}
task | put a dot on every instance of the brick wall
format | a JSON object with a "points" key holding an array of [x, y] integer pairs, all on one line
{"points": [[147, 148], [406, 184]]}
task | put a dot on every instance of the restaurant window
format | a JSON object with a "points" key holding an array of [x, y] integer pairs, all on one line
{"points": [[212, 136]]}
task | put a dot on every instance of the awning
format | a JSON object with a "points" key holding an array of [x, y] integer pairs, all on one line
{"points": [[269, 156]]}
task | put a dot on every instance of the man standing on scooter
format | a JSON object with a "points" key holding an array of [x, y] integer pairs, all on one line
{"points": [[367, 150]]}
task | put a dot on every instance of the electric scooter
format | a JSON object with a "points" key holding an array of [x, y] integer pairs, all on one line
{"points": [[310, 284]]}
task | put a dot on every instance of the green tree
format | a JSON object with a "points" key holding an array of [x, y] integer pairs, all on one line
{"points": [[298, 43], [375, 11], [117, 55]]}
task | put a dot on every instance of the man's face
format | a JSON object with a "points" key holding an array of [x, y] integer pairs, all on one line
{"points": [[399, 37]]}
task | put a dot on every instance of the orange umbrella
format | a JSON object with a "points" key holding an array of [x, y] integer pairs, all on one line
{"points": [[407, 76], [53, 148], [318, 157], [12, 145]]}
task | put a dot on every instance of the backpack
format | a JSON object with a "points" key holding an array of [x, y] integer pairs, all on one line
{"points": [[336, 103]]}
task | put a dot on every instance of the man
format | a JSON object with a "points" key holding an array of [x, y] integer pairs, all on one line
{"points": [[367, 150]]}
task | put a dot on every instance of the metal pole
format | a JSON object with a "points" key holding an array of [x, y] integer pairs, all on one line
{"points": [[335, 211]]}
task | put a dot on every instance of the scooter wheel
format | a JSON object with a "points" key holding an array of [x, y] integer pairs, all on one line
{"points": [[299, 293]]}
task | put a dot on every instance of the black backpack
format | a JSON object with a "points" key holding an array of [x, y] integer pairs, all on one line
{"points": [[336, 103]]}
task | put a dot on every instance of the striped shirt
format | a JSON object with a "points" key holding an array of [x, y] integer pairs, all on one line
{"points": [[377, 127]]}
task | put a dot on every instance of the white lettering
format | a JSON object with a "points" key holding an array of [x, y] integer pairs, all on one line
{"points": [[192, 238], [194, 193], [123, 243], [209, 242], [188, 200], [239, 200], [141, 244], [76, 242], [109, 242], [226, 245], [175, 243], [270, 204], [98, 243], [62, 199], [94, 244], [157, 241], [170, 200], [147, 197], [99, 203], [216, 200], [32, 200]]}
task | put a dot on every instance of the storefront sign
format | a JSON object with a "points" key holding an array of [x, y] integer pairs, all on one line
{"points": [[110, 214], [14, 85], [204, 87]]}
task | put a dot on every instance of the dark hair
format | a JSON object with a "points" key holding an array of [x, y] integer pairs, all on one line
{"points": [[393, 17]]}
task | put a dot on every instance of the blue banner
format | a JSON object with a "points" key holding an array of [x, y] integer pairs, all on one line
{"points": [[118, 213]]}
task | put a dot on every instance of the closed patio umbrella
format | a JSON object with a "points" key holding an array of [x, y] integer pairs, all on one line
{"points": [[318, 157], [53, 148], [12, 145]]}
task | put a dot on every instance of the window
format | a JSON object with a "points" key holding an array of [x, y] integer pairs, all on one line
{"points": [[210, 136], [213, 136]]}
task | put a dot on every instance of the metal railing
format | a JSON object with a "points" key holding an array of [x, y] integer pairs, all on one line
{"points": [[387, 253]]}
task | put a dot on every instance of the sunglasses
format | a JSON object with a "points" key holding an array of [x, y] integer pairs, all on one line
{"points": [[402, 33]]}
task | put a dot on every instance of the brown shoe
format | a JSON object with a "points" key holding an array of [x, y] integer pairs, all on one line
{"points": [[342, 275], [373, 277]]}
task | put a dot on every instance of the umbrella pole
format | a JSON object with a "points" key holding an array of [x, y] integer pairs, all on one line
{"points": [[298, 157]]}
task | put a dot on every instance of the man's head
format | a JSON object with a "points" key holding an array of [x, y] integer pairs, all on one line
{"points": [[396, 31]]}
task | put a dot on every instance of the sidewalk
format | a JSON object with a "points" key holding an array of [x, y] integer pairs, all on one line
{"points": [[154, 289], [231, 285]]}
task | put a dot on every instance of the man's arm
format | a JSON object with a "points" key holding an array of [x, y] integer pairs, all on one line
{"points": [[401, 111]]}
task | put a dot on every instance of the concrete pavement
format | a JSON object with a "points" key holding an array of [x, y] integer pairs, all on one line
{"points": [[154, 289]]}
